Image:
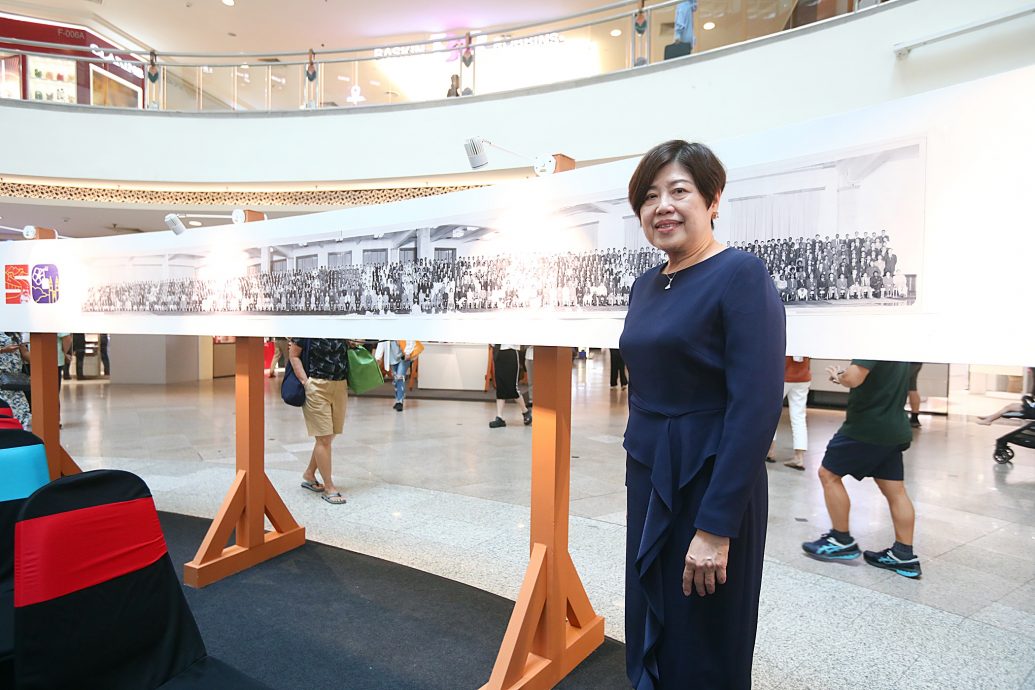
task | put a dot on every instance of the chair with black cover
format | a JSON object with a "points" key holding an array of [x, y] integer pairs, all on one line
{"points": [[97, 601], [23, 469]]}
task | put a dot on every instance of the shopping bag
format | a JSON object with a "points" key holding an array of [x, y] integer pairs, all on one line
{"points": [[364, 371]]}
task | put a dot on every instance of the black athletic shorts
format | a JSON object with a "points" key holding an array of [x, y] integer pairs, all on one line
{"points": [[914, 370], [846, 456]]}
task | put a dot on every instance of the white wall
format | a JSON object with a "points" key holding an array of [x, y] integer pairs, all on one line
{"points": [[156, 359], [796, 76]]}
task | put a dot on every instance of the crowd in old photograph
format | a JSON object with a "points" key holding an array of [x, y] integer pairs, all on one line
{"points": [[853, 267], [598, 279], [862, 266]]}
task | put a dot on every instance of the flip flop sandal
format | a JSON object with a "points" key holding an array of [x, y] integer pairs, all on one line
{"points": [[335, 499], [315, 487]]}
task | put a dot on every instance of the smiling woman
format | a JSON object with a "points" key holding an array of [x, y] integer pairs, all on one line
{"points": [[704, 345]]}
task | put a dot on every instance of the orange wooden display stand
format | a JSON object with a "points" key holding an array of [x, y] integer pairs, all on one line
{"points": [[46, 410], [251, 496], [553, 627]]}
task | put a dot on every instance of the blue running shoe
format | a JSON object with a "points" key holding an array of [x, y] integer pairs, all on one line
{"points": [[827, 548], [909, 567]]}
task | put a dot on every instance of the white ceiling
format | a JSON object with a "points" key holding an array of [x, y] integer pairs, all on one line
{"points": [[279, 25], [261, 26]]}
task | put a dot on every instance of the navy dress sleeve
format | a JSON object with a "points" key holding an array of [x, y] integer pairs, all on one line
{"points": [[755, 346]]}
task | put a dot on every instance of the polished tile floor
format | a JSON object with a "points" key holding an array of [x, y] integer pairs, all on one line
{"points": [[434, 488]]}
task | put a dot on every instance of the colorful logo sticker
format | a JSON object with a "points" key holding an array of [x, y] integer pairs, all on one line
{"points": [[16, 283], [45, 284]]}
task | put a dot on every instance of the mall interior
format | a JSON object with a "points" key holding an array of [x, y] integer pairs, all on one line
{"points": [[141, 135]]}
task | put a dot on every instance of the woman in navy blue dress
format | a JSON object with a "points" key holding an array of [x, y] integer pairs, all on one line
{"points": [[704, 342]]}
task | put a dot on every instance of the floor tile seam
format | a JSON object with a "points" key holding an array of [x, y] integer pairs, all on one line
{"points": [[1029, 637], [1019, 587], [969, 513], [593, 496], [997, 553]]}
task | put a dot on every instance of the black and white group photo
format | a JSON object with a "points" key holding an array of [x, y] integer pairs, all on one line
{"points": [[845, 230]]}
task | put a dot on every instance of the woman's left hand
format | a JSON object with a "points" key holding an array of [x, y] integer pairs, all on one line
{"points": [[705, 563]]}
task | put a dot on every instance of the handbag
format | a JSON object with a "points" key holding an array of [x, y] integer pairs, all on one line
{"points": [[15, 381], [677, 50], [364, 371], [291, 389]]}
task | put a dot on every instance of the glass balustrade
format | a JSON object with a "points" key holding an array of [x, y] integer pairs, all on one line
{"points": [[616, 37]]}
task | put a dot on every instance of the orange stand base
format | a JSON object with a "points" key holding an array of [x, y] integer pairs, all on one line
{"points": [[252, 496], [553, 627]]}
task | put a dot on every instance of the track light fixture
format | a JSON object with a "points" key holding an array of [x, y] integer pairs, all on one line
{"points": [[240, 215], [541, 165]]}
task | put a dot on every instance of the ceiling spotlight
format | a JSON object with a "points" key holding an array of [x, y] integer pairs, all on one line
{"points": [[708, 26], [228, 3], [478, 158], [194, 223], [173, 222], [29, 232], [616, 32]]}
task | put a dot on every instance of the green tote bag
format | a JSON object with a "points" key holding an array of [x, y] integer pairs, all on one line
{"points": [[364, 371]]}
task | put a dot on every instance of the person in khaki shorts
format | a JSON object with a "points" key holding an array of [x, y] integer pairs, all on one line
{"points": [[326, 399]]}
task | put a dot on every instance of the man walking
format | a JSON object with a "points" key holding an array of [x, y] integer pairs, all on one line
{"points": [[869, 444], [326, 399]]}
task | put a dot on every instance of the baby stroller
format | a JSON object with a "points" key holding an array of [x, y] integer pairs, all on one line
{"points": [[1024, 436]]}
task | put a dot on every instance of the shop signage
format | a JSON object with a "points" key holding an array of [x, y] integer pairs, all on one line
{"points": [[71, 34], [399, 51], [131, 67], [550, 39]]}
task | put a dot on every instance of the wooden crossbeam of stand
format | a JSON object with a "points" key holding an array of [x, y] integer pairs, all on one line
{"points": [[252, 495], [553, 626]]}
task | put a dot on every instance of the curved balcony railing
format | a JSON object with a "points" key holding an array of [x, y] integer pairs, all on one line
{"points": [[611, 38]]}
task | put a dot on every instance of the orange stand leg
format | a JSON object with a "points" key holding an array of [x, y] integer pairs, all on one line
{"points": [[553, 627], [251, 496], [46, 404]]}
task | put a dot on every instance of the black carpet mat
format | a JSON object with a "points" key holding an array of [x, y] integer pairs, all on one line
{"points": [[320, 616]]}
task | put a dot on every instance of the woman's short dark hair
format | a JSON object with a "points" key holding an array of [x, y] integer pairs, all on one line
{"points": [[704, 167]]}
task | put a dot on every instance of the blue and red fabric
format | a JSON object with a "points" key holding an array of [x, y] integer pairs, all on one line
{"points": [[23, 469]]}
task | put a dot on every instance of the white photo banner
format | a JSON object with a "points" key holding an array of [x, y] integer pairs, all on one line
{"points": [[836, 209]]}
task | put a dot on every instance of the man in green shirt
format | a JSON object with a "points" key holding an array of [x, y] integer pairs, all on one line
{"points": [[869, 444]]}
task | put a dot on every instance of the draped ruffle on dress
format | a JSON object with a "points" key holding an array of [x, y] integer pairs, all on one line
{"points": [[705, 361]]}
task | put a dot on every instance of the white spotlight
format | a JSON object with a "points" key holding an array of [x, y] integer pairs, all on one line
{"points": [[29, 232], [174, 223], [476, 156]]}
